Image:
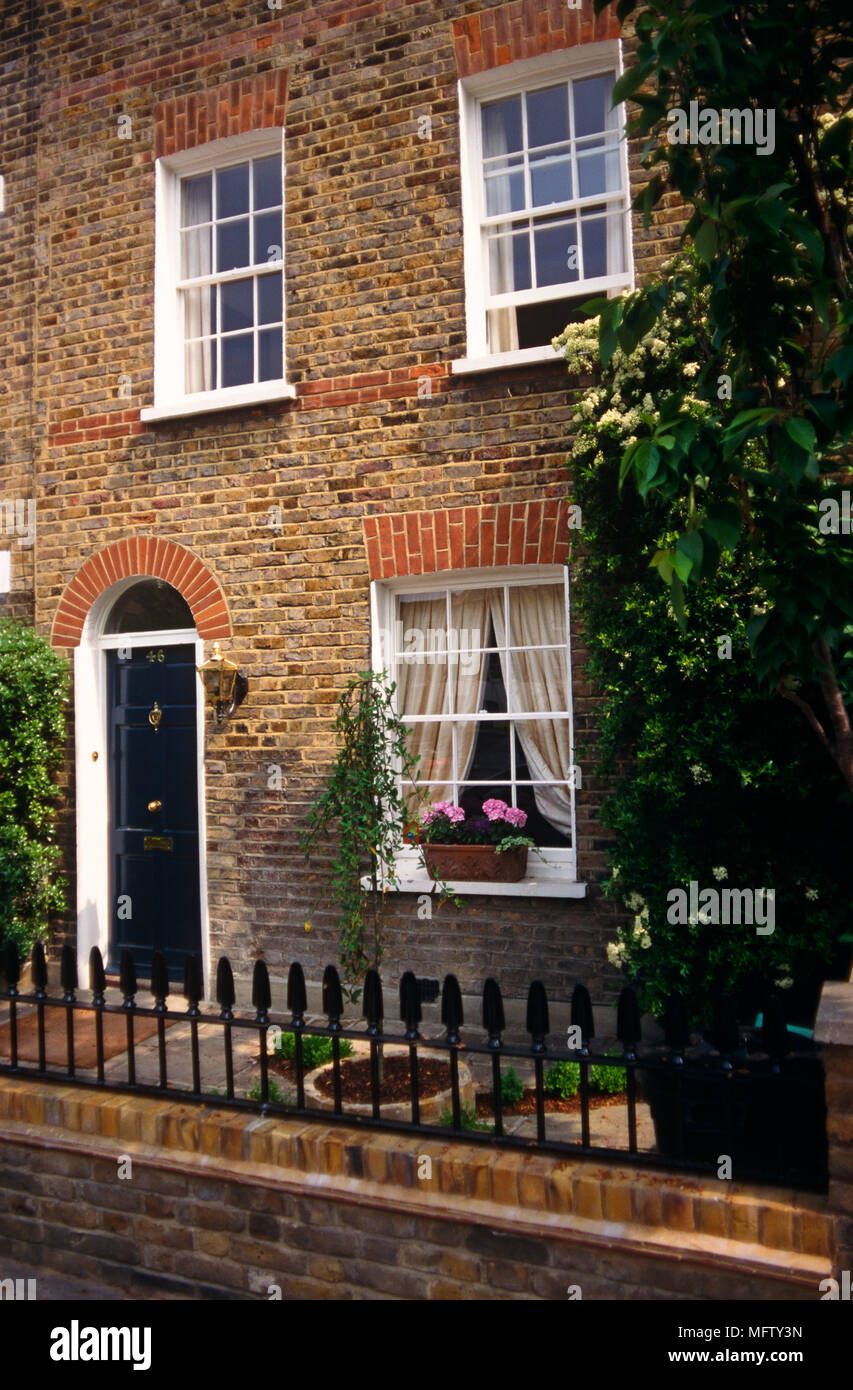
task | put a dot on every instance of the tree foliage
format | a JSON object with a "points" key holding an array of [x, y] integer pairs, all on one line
{"points": [[712, 780], [763, 467], [33, 696]]}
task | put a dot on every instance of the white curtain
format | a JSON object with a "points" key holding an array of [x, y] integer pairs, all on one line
{"points": [[423, 678], [502, 326], [197, 242], [539, 681]]}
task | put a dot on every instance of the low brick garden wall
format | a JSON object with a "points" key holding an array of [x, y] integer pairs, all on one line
{"points": [[221, 1204]]}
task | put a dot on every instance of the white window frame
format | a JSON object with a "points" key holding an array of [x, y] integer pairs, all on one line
{"points": [[586, 60], [170, 399], [556, 875]]}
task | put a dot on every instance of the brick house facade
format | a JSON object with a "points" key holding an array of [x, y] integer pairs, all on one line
{"points": [[392, 447]]}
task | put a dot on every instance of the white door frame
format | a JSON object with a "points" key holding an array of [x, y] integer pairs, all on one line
{"points": [[91, 715]]}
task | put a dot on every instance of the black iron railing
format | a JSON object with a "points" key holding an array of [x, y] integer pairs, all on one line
{"points": [[744, 1106]]}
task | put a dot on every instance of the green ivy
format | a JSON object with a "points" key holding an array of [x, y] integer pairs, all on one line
{"points": [[362, 815], [33, 696]]}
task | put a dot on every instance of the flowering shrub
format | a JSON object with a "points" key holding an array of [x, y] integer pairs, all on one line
{"points": [[496, 824], [710, 778]]}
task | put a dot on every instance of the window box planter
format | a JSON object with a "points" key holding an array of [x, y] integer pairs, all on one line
{"points": [[475, 863]]}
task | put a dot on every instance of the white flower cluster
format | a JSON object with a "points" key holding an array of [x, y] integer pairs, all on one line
{"points": [[616, 952], [700, 773]]}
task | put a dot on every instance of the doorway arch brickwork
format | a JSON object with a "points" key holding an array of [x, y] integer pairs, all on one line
{"points": [[145, 556]]}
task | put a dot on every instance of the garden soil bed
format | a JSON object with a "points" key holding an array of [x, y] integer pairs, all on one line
{"points": [[433, 1077], [553, 1104]]}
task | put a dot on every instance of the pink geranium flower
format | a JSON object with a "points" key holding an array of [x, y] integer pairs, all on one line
{"points": [[515, 816], [495, 809]]}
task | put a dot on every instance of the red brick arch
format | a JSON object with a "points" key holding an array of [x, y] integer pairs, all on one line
{"points": [[148, 558]]}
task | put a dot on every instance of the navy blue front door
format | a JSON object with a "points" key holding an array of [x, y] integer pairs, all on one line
{"points": [[153, 804]]}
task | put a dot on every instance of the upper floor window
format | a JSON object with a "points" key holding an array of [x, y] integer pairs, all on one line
{"points": [[219, 301], [545, 198]]}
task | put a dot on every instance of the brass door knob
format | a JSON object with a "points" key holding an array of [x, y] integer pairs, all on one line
{"points": [[155, 805]]}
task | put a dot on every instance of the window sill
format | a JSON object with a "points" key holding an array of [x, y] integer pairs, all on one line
{"points": [[532, 886], [522, 357], [231, 398]]}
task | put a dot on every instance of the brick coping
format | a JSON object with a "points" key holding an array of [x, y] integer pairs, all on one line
{"points": [[782, 1236]]}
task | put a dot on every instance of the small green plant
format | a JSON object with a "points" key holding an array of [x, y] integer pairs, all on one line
{"points": [[607, 1081], [563, 1079], [512, 1087], [468, 1119], [276, 1095], [315, 1051]]}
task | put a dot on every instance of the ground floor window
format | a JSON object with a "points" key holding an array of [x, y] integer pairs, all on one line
{"points": [[481, 665]]}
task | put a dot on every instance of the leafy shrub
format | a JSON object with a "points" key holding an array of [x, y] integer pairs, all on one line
{"points": [[512, 1087], [607, 1081], [33, 695], [315, 1051], [563, 1079], [468, 1119], [751, 799], [276, 1095]]}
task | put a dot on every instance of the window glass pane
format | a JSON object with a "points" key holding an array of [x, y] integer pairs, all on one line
{"points": [[200, 365], [598, 171], [232, 245], [269, 355], [269, 299], [504, 188], [509, 262], [236, 304], [471, 620], [422, 624], [195, 252], [501, 123], [547, 116], [196, 196], [592, 104], [594, 231], [537, 614], [537, 324], [238, 365], [267, 233], [200, 312], [266, 178], [150, 606], [540, 830], [232, 191], [550, 181], [493, 698], [471, 798], [557, 257]]}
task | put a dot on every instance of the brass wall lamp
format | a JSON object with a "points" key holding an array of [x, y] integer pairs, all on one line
{"points": [[224, 682]]}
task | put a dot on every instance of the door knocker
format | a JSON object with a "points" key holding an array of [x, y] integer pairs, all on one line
{"points": [[154, 717]]}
